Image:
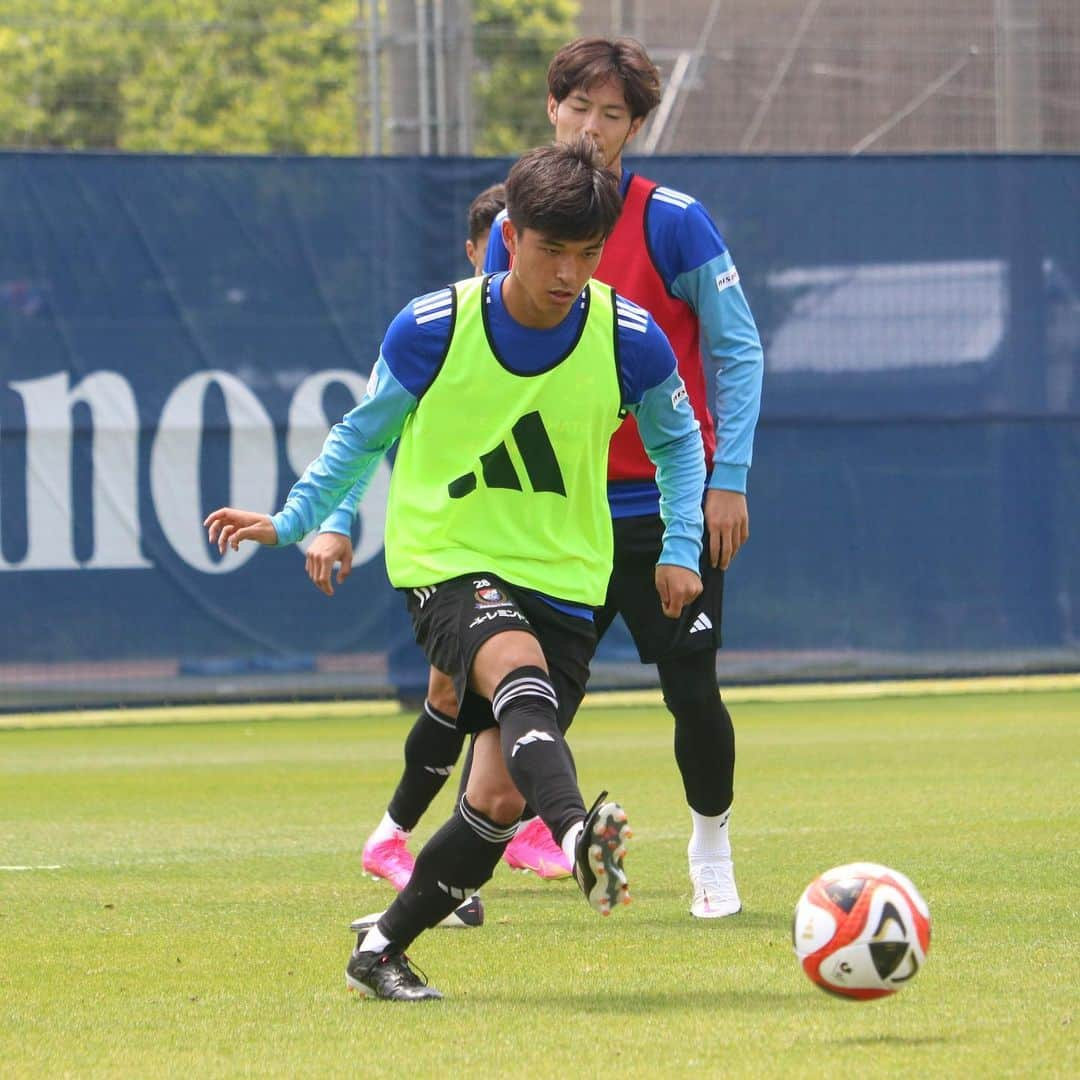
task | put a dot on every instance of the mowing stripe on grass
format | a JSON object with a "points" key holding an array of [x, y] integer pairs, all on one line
{"points": [[200, 714], [251, 712], [829, 691]]}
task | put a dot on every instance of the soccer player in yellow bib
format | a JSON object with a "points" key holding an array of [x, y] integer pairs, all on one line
{"points": [[503, 392], [667, 255]]}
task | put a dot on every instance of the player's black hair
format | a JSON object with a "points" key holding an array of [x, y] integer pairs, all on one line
{"points": [[564, 192], [584, 63], [483, 208]]}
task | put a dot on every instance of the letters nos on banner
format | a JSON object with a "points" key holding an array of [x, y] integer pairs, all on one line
{"points": [[176, 443]]}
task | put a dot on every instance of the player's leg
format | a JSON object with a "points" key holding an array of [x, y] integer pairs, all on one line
{"points": [[432, 747], [462, 854], [451, 866], [522, 755], [595, 849], [684, 651], [705, 754], [533, 847], [464, 851], [531, 663], [460, 858]]}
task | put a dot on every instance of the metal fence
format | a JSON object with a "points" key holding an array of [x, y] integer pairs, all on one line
{"points": [[429, 76], [857, 76]]}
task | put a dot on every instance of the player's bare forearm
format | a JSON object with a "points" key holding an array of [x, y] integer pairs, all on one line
{"points": [[228, 527], [728, 521], [676, 586]]}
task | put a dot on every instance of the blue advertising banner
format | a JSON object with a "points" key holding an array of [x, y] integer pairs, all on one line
{"points": [[178, 334]]}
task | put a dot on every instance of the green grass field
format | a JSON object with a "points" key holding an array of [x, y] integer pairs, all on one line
{"points": [[194, 882]]}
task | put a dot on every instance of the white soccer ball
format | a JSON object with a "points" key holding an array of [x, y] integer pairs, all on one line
{"points": [[861, 931]]}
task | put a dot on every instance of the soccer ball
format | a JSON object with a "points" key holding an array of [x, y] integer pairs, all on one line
{"points": [[861, 931]]}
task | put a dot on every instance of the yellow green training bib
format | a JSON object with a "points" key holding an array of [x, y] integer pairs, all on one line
{"points": [[507, 473]]}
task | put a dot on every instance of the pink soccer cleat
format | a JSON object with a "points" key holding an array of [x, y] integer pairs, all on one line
{"points": [[534, 848], [389, 859]]}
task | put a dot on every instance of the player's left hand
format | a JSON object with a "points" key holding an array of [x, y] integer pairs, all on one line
{"points": [[676, 587], [227, 527], [728, 522]]}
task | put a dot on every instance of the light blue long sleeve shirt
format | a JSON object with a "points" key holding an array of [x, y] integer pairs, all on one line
{"points": [[330, 489]]}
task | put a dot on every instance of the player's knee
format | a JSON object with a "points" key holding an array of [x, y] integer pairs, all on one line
{"points": [[495, 797], [489, 787], [441, 694], [690, 688]]}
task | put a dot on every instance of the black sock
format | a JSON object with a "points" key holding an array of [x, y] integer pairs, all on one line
{"points": [[451, 866], [704, 734], [432, 747], [534, 749]]}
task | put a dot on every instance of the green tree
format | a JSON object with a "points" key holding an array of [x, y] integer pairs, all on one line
{"points": [[270, 76], [242, 76], [514, 41], [278, 76], [62, 73]]}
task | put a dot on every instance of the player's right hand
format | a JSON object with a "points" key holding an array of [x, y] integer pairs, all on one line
{"points": [[327, 549], [676, 586], [227, 527], [728, 521]]}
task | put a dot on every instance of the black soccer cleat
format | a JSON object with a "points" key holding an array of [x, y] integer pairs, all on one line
{"points": [[387, 975], [464, 917], [599, 854]]}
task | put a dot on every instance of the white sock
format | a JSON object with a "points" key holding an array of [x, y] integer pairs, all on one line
{"points": [[709, 837], [569, 842], [374, 941], [387, 829], [523, 824]]}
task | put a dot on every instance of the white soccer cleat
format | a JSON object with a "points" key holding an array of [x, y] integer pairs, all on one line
{"points": [[715, 894]]}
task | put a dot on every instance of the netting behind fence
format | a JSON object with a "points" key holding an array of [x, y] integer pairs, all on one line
{"points": [[467, 76]]}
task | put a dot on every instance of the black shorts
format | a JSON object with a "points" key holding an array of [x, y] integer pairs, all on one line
{"points": [[632, 594], [453, 619]]}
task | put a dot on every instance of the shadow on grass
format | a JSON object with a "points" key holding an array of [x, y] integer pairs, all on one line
{"points": [[636, 1001], [893, 1040], [642, 916]]}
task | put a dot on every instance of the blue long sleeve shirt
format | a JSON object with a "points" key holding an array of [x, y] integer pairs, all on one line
{"points": [[411, 353]]}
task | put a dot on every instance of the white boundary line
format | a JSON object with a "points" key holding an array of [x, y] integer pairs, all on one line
{"points": [[794, 692]]}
